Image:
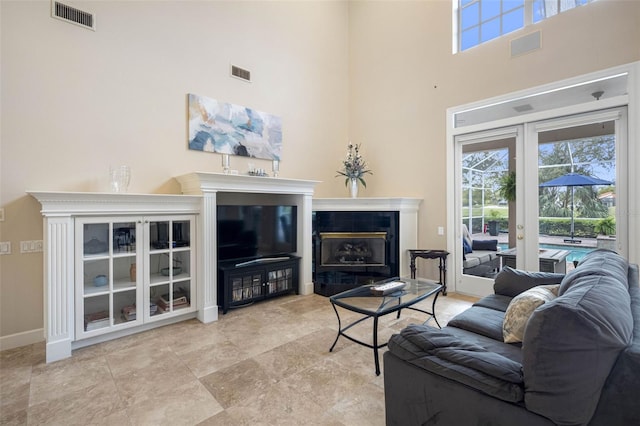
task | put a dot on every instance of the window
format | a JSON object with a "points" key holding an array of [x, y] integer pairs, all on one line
{"points": [[483, 20], [545, 8]]}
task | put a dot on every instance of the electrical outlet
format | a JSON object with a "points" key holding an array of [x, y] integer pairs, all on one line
{"points": [[30, 246], [5, 247], [440, 230]]}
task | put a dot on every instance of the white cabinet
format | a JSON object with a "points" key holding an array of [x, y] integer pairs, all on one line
{"points": [[132, 270], [109, 258]]}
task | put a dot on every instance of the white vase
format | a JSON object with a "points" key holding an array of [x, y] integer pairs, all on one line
{"points": [[353, 188]]}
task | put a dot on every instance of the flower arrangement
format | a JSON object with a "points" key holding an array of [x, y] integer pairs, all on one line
{"points": [[354, 166]]}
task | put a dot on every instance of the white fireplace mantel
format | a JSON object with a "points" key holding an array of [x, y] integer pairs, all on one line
{"points": [[202, 182], [298, 192], [407, 207]]}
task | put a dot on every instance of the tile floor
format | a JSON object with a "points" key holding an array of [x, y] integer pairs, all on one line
{"points": [[264, 364]]}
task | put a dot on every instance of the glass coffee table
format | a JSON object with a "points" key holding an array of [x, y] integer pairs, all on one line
{"points": [[363, 301]]}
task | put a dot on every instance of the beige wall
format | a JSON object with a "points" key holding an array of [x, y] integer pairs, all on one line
{"points": [[75, 101], [378, 73], [403, 77]]}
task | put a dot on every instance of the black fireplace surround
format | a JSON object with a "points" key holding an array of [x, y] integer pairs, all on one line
{"points": [[352, 248]]}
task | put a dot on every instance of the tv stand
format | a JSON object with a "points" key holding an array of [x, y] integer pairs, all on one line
{"points": [[262, 260], [240, 284]]}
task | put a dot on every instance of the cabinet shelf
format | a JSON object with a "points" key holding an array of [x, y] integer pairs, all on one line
{"points": [[124, 254], [91, 291], [242, 285], [96, 256]]}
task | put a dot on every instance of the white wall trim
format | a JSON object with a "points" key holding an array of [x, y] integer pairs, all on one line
{"points": [[21, 339]]}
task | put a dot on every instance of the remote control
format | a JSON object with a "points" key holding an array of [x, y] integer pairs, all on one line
{"points": [[387, 288]]}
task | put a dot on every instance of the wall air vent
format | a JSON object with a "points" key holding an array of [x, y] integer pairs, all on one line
{"points": [[523, 108], [525, 44], [72, 15], [240, 73]]}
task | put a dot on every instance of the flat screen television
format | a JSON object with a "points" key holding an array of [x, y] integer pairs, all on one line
{"points": [[255, 231]]}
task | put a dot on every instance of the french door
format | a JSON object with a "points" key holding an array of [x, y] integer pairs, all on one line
{"points": [[483, 160], [543, 227]]}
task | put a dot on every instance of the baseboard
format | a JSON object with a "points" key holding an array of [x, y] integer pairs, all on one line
{"points": [[21, 339], [306, 288]]}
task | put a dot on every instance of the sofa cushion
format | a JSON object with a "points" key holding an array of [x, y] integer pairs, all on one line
{"points": [[477, 257], [484, 321], [521, 308], [571, 343], [442, 353], [598, 262], [511, 282], [494, 301], [513, 351], [617, 405]]}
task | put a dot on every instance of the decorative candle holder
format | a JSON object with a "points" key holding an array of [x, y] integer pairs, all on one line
{"points": [[119, 177], [275, 166], [225, 164]]}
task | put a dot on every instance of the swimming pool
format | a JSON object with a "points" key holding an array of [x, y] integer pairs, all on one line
{"points": [[576, 253]]}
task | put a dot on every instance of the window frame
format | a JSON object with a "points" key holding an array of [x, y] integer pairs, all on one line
{"points": [[528, 18]]}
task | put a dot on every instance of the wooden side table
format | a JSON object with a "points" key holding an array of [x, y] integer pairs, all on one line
{"points": [[431, 254]]}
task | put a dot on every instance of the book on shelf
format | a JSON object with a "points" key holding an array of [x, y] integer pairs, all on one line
{"points": [[90, 326], [180, 300], [176, 300], [177, 303], [129, 311], [96, 320]]}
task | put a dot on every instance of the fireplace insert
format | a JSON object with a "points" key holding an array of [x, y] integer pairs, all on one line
{"points": [[353, 248]]}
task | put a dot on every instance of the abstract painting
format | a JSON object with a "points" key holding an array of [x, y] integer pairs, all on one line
{"points": [[233, 129]]}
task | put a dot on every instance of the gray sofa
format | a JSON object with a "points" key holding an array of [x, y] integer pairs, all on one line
{"points": [[578, 362], [480, 258]]}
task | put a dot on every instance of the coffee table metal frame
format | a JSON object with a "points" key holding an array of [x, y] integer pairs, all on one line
{"points": [[415, 291]]}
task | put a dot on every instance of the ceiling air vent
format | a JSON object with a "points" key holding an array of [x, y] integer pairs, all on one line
{"points": [[523, 108], [240, 73], [72, 15]]}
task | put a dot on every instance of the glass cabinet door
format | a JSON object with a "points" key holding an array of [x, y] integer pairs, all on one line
{"points": [[280, 280], [170, 266], [106, 274]]}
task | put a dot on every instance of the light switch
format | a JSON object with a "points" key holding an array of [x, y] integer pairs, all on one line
{"points": [[5, 247], [440, 230], [30, 246]]}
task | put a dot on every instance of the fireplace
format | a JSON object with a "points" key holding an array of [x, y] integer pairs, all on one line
{"points": [[345, 249], [352, 248]]}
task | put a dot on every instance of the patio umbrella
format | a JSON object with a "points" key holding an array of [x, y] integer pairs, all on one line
{"points": [[572, 180]]}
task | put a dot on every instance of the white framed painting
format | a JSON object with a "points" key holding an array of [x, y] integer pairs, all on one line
{"points": [[233, 129]]}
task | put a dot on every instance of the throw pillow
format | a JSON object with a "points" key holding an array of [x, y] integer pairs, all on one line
{"points": [[521, 308], [466, 246], [485, 245]]}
